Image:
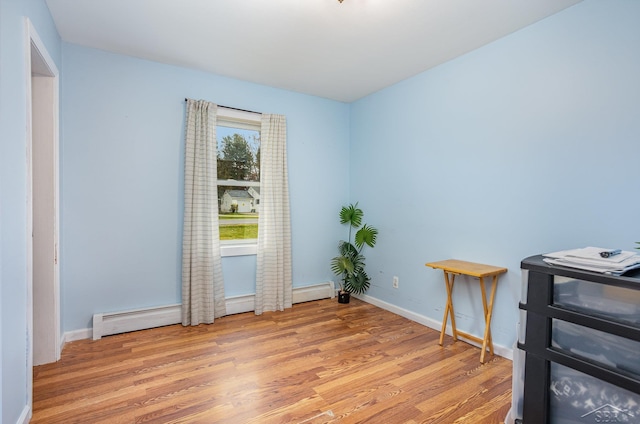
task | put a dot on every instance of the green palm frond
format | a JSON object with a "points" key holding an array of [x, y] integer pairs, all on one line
{"points": [[342, 265], [347, 249], [352, 215], [358, 283], [366, 235]]}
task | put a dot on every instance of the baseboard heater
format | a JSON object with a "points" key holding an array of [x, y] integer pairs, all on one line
{"points": [[108, 323]]}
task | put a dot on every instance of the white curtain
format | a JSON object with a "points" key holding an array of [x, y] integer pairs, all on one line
{"points": [[273, 275], [202, 281]]}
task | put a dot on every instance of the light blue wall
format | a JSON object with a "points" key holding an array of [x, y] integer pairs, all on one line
{"points": [[122, 178], [13, 181], [527, 145]]}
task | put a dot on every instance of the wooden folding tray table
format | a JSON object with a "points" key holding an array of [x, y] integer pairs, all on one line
{"points": [[453, 267]]}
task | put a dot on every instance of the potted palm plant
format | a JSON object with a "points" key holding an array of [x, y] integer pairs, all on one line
{"points": [[350, 262]]}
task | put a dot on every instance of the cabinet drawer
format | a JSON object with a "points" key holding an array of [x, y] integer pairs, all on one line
{"points": [[611, 302], [580, 398], [615, 352]]}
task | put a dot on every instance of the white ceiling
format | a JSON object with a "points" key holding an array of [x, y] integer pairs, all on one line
{"points": [[318, 47]]}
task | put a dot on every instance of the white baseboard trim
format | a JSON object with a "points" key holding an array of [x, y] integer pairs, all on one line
{"points": [[499, 350], [25, 416], [139, 319], [70, 336]]}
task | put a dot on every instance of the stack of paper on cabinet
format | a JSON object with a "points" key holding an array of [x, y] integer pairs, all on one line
{"points": [[615, 262]]}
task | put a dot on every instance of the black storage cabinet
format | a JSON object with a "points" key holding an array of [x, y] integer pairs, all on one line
{"points": [[544, 313]]}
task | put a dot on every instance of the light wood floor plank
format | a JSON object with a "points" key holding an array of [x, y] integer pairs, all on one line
{"points": [[318, 362]]}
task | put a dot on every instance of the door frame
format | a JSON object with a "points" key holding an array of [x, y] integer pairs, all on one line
{"points": [[45, 66]]}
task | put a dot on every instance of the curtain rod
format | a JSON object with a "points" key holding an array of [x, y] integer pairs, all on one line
{"points": [[234, 108]]}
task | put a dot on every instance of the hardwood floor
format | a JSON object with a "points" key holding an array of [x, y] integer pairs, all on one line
{"points": [[319, 362]]}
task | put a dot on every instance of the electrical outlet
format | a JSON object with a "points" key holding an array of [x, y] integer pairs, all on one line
{"points": [[395, 282]]}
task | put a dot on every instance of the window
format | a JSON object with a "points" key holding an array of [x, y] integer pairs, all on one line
{"points": [[238, 138]]}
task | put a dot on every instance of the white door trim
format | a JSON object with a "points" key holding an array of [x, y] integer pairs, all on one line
{"points": [[46, 67]]}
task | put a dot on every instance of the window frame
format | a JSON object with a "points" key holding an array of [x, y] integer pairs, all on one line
{"points": [[235, 118]]}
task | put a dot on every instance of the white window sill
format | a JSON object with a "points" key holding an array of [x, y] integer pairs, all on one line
{"points": [[238, 249]]}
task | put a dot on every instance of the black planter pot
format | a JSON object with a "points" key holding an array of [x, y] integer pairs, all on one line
{"points": [[344, 297]]}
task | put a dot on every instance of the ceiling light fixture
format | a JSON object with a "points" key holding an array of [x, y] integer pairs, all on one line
{"points": [[340, 1]]}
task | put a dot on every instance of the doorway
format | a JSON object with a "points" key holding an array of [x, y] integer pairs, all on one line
{"points": [[43, 270]]}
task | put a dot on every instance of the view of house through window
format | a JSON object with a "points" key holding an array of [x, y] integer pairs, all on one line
{"points": [[238, 182]]}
